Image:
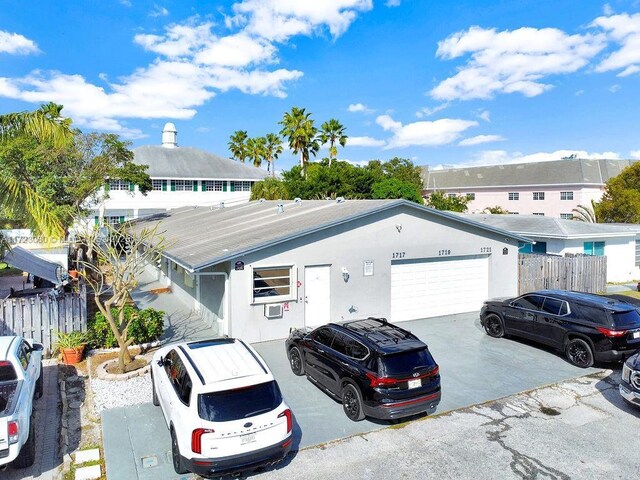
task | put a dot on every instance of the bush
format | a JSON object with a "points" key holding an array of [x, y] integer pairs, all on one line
{"points": [[146, 326]]}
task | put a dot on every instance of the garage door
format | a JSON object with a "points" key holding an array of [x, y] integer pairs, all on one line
{"points": [[428, 288]]}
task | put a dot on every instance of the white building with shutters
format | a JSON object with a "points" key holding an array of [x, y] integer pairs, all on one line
{"points": [[181, 176], [256, 270]]}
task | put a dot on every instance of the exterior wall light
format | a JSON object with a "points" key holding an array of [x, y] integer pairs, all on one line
{"points": [[345, 274]]}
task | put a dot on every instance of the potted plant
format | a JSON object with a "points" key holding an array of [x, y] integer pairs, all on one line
{"points": [[70, 345]]}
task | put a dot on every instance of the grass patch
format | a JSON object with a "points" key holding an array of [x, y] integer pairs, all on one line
{"points": [[6, 270], [629, 293]]}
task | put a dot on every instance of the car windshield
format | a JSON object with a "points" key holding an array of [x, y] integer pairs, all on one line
{"points": [[7, 372], [630, 319], [239, 403], [406, 363]]}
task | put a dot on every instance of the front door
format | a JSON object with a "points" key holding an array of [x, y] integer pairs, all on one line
{"points": [[317, 301]]}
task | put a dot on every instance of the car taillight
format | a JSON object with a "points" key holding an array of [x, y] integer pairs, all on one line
{"points": [[287, 413], [376, 381], [196, 439], [435, 371], [13, 432], [612, 333]]}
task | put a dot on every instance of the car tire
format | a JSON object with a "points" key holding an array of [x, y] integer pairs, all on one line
{"points": [[493, 326], [175, 454], [27, 453], [39, 384], [579, 353], [295, 361], [154, 394], [352, 402]]}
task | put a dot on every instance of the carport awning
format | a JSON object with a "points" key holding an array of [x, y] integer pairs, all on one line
{"points": [[26, 261]]}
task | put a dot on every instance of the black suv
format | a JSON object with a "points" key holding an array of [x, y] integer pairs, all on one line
{"points": [[586, 327], [374, 368], [630, 382]]}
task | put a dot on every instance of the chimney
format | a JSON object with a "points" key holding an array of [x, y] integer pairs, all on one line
{"points": [[169, 136]]}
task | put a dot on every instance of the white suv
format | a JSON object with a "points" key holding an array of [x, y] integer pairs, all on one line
{"points": [[222, 405]]}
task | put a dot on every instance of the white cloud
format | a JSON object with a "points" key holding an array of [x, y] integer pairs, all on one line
{"points": [[16, 44], [365, 142], [511, 61], [392, 3], [427, 112], [579, 92], [502, 157], [606, 9], [614, 88], [479, 139], [623, 29], [485, 115], [438, 132], [359, 107], [159, 11], [635, 154]]}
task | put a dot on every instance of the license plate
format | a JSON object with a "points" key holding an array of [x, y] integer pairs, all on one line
{"points": [[414, 383], [636, 334], [250, 437]]}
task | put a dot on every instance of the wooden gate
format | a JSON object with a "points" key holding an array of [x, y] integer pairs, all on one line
{"points": [[583, 273]]}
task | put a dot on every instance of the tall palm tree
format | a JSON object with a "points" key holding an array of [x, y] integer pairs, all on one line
{"points": [[298, 129], [256, 150], [586, 214], [273, 148], [237, 145], [332, 131]]}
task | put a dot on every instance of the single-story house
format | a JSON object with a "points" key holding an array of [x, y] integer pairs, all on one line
{"points": [[558, 237], [258, 269]]}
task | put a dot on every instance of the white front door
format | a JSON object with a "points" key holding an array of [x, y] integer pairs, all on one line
{"points": [[317, 300]]}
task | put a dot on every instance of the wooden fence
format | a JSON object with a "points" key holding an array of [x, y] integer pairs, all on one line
{"points": [[39, 316], [583, 273]]}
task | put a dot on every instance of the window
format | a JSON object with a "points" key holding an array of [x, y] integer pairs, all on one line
{"points": [[529, 302], [212, 186], [554, 306], [348, 346], [591, 314], [120, 185], [323, 336], [451, 195], [239, 403], [637, 253], [183, 185], [471, 196], [23, 356], [566, 216], [513, 213], [539, 214], [514, 196], [158, 185], [538, 195], [538, 247], [594, 248], [273, 284], [566, 195], [241, 186], [113, 220], [404, 363], [178, 376]]}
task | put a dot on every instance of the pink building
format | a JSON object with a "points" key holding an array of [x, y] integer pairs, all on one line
{"points": [[552, 188]]}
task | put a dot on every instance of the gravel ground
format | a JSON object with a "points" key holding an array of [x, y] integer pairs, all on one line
{"points": [[112, 394]]}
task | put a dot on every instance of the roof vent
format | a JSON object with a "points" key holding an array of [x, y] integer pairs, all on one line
{"points": [[297, 201], [280, 207], [340, 200], [221, 204], [169, 136]]}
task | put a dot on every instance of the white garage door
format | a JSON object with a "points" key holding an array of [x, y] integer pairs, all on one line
{"points": [[428, 288]]}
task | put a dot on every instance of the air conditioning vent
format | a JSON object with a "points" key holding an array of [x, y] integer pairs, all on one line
{"points": [[273, 311]]}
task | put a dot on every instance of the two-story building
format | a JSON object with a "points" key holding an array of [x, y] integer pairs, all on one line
{"points": [[551, 188], [181, 176]]}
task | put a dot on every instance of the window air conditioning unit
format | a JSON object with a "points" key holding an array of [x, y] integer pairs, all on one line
{"points": [[273, 311]]}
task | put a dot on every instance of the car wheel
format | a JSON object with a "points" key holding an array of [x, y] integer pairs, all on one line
{"points": [[493, 326], [39, 384], [175, 454], [154, 395], [352, 403], [295, 361], [579, 353], [28, 451]]}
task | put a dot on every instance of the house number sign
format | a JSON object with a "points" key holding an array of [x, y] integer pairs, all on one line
{"points": [[397, 255]]}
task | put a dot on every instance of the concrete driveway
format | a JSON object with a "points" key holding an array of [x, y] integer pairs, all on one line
{"points": [[474, 368]]}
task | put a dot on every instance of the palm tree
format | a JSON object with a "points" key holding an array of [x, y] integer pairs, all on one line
{"points": [[585, 214], [46, 124], [332, 131], [298, 129], [273, 148], [256, 150], [237, 145]]}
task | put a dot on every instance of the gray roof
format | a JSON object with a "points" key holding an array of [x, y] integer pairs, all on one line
{"points": [[557, 172], [551, 227], [200, 237], [28, 262], [193, 163]]}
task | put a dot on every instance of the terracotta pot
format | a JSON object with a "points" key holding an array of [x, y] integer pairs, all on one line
{"points": [[71, 356]]}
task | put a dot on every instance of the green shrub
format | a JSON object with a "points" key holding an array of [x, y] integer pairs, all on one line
{"points": [[146, 326]]}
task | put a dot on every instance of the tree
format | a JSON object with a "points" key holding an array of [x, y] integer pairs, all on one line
{"points": [[332, 131], [454, 203], [256, 150], [299, 130], [237, 145], [45, 124], [269, 189], [621, 199], [583, 213], [396, 188], [4, 246], [497, 210], [272, 149], [400, 168], [118, 261]]}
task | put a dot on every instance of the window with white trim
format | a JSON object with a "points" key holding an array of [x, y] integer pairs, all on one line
{"points": [[113, 220], [241, 186], [451, 195], [538, 195], [471, 196], [566, 216], [273, 284], [158, 184], [539, 214], [513, 213], [212, 185], [183, 185], [118, 185], [514, 196], [566, 195]]}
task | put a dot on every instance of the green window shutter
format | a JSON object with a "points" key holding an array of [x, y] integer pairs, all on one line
{"points": [[173, 185], [224, 185], [195, 185], [96, 221], [233, 186], [132, 187], [121, 219], [164, 185], [204, 185]]}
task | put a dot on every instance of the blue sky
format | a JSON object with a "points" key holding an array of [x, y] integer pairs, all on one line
{"points": [[440, 82]]}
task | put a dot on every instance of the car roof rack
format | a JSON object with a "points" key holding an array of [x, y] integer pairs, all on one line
{"points": [[382, 333]]}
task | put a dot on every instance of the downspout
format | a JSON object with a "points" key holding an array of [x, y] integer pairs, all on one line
{"points": [[226, 324]]}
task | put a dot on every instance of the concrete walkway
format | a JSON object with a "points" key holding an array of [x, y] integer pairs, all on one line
{"points": [[181, 321]]}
